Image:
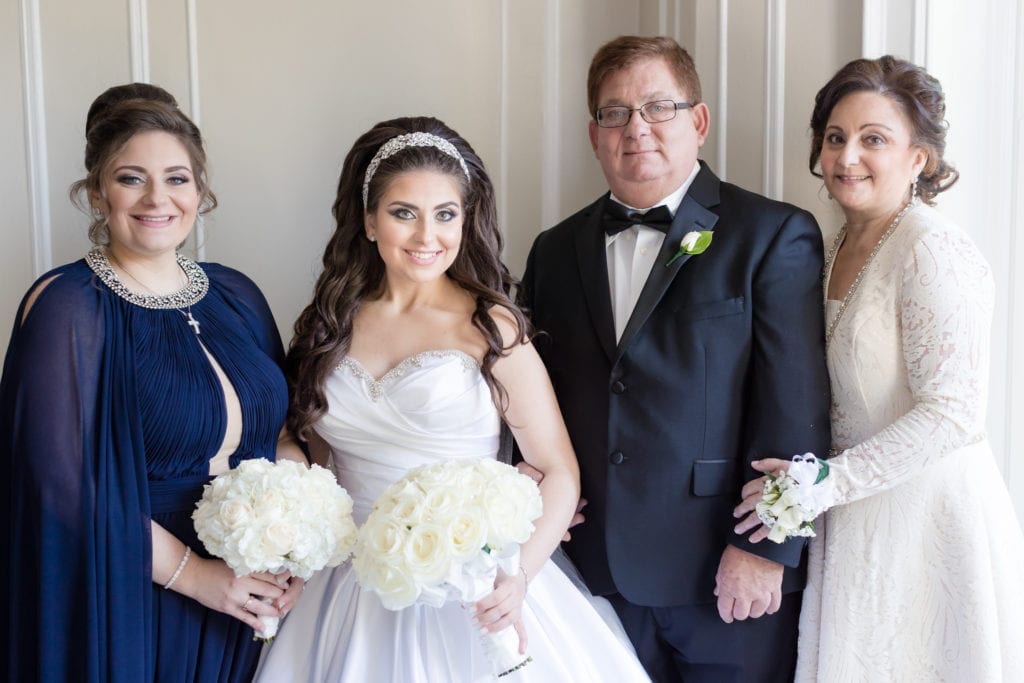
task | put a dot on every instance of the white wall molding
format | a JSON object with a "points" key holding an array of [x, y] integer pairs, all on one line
{"points": [[192, 38], [1014, 397], [774, 97], [138, 40], [874, 28], [722, 106], [919, 28], [35, 137], [503, 104], [551, 183]]}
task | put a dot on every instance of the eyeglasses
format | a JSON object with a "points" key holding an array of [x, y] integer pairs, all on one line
{"points": [[616, 116]]}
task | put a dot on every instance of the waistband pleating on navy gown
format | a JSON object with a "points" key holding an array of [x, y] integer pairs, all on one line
{"points": [[176, 495]]}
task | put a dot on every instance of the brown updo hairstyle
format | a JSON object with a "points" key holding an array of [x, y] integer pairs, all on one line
{"points": [[918, 94], [353, 271], [116, 116]]}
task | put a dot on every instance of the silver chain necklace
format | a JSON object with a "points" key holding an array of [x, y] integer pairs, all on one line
{"points": [[187, 313], [863, 269]]}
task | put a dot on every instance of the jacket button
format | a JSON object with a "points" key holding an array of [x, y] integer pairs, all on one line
{"points": [[617, 458], [618, 387]]}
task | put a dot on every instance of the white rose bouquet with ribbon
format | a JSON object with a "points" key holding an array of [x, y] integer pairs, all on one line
{"points": [[793, 499], [442, 532], [266, 516]]}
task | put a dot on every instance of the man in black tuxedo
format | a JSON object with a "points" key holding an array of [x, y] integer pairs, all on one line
{"points": [[673, 377]]}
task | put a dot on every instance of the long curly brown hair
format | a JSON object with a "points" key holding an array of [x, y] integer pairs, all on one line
{"points": [[354, 272]]}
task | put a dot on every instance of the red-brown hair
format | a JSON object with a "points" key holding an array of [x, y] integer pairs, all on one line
{"points": [[624, 51]]}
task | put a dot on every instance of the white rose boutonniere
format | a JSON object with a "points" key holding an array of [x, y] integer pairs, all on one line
{"points": [[693, 243], [793, 499]]}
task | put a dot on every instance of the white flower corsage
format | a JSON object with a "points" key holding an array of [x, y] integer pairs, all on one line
{"points": [[792, 500]]}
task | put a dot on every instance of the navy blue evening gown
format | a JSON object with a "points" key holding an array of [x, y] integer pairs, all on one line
{"points": [[109, 415]]}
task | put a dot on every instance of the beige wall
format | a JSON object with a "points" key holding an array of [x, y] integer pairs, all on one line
{"points": [[281, 91], [16, 266]]}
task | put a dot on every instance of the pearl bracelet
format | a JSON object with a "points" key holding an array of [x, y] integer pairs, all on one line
{"points": [[526, 577], [177, 572]]}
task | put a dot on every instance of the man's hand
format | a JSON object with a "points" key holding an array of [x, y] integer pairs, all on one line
{"points": [[538, 476], [747, 585]]}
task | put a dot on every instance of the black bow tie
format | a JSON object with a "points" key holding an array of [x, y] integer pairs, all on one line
{"points": [[618, 218]]}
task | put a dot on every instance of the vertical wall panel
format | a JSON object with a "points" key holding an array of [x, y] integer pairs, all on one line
{"points": [[1014, 456], [704, 36], [746, 93], [34, 117], [16, 258], [984, 144], [812, 58], [85, 50], [285, 94], [585, 28], [774, 98], [525, 64], [167, 38]]}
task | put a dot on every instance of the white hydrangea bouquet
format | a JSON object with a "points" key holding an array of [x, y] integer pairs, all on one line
{"points": [[267, 516], [793, 499], [442, 532]]}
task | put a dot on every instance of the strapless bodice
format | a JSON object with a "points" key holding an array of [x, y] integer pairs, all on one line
{"points": [[432, 406]]}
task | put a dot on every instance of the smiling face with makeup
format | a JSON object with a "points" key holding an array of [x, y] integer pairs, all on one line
{"points": [[417, 226], [149, 196], [868, 157]]}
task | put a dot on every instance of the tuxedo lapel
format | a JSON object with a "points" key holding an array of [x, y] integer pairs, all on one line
{"points": [[691, 216], [593, 267]]}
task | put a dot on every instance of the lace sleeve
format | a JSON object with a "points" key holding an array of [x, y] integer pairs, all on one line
{"points": [[945, 305]]}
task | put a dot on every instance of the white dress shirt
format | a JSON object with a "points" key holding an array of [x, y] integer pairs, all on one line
{"points": [[631, 255]]}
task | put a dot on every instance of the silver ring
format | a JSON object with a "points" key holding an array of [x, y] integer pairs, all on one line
{"points": [[245, 605]]}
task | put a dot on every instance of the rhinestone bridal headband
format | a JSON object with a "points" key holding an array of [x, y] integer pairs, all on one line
{"points": [[397, 144]]}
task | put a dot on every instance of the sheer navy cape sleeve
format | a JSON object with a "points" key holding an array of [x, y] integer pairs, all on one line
{"points": [[77, 586]]}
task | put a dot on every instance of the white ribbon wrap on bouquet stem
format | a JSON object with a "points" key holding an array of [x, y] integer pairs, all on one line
{"points": [[270, 624], [502, 650], [475, 581]]}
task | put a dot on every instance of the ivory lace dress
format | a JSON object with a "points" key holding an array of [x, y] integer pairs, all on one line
{"points": [[917, 573]]}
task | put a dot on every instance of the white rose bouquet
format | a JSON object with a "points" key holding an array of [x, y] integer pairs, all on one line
{"points": [[442, 532], [266, 516], [793, 499]]}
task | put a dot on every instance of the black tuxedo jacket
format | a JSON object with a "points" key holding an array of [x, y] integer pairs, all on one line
{"points": [[722, 362]]}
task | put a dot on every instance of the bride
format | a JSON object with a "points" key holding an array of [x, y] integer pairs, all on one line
{"points": [[412, 352]]}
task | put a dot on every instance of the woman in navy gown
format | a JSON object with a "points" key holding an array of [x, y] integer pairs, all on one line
{"points": [[133, 376]]}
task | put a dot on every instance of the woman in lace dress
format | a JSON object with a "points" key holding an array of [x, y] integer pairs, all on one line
{"points": [[917, 569], [412, 352], [133, 376]]}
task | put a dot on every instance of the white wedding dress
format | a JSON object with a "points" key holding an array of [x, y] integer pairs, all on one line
{"points": [[918, 573], [433, 406]]}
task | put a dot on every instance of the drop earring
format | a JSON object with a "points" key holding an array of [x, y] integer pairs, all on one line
{"points": [[913, 189]]}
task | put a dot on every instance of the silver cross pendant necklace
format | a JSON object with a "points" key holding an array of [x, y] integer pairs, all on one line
{"points": [[192, 322]]}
